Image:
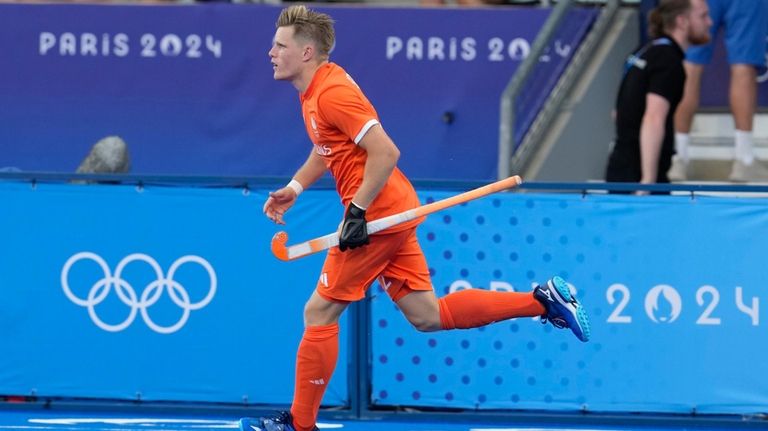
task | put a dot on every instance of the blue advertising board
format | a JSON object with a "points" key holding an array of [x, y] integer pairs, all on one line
{"points": [[172, 294], [152, 294], [673, 286], [190, 87]]}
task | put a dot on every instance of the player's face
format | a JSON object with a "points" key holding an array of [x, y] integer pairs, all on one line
{"points": [[699, 23], [286, 54]]}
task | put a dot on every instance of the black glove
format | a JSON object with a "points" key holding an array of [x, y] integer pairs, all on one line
{"points": [[354, 232]]}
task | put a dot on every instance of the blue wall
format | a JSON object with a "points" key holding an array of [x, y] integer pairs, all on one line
{"points": [[190, 89]]}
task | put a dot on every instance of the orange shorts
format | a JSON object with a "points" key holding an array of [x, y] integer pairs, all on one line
{"points": [[395, 258]]}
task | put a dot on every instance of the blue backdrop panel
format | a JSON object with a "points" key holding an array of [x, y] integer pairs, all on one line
{"points": [[155, 293], [673, 286], [197, 80]]}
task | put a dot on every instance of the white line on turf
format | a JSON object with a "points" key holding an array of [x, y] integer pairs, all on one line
{"points": [[192, 423]]}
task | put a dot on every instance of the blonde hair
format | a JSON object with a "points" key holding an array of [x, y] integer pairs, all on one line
{"points": [[308, 24], [662, 19]]}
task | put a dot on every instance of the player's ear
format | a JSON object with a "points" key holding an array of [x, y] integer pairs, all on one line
{"points": [[308, 53]]}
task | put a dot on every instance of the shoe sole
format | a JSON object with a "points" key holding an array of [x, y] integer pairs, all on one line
{"points": [[565, 298], [244, 424]]}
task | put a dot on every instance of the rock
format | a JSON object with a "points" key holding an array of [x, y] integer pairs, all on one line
{"points": [[108, 156]]}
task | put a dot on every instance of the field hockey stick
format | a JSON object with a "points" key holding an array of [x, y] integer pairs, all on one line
{"points": [[286, 253]]}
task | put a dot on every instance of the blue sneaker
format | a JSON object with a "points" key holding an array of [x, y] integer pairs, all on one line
{"points": [[282, 421], [250, 424], [563, 310]]}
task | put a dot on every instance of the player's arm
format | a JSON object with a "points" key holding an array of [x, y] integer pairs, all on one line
{"points": [[652, 136], [382, 156], [281, 200], [311, 170]]}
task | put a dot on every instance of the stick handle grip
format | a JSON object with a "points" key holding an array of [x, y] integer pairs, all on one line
{"points": [[332, 239]]}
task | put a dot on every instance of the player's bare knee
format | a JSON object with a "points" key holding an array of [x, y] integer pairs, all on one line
{"points": [[315, 316], [425, 324], [321, 312]]}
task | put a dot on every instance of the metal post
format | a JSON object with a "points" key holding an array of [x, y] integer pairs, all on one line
{"points": [[515, 86]]}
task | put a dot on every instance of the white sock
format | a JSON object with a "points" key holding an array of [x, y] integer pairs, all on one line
{"points": [[681, 146], [744, 149]]}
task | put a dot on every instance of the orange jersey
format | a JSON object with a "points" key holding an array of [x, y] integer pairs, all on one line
{"points": [[337, 115]]}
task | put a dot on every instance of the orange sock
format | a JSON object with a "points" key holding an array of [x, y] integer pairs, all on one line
{"points": [[315, 362], [471, 308]]}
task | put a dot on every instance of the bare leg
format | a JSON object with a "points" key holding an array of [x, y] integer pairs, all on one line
{"points": [[743, 95], [683, 121], [743, 98], [319, 311], [422, 309], [690, 102]]}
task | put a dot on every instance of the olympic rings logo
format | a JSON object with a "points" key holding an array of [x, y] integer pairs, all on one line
{"points": [[128, 295]]}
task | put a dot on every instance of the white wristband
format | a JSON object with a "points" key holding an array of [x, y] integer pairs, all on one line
{"points": [[296, 186]]}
